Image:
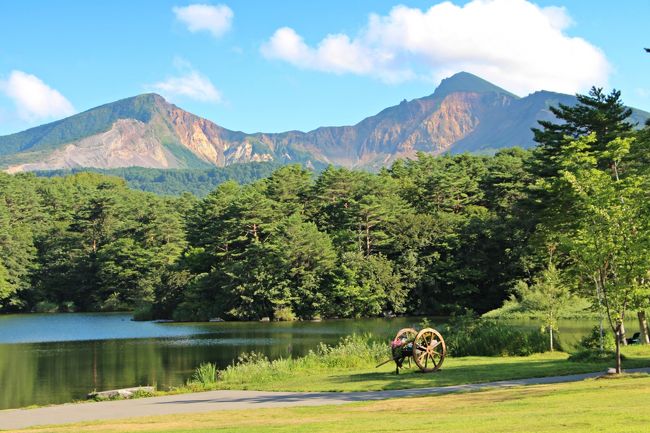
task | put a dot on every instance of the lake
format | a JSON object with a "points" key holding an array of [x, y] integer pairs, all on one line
{"points": [[56, 358]]}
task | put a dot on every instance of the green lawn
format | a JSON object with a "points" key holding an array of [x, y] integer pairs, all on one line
{"points": [[603, 405], [294, 375]]}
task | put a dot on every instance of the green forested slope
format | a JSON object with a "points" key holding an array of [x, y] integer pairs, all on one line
{"points": [[178, 181]]}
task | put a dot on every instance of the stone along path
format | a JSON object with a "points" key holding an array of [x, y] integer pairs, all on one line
{"points": [[226, 400]]}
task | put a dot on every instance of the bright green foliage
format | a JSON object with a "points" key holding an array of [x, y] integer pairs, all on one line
{"points": [[16, 243], [549, 295], [610, 243], [368, 286], [83, 242], [591, 197], [307, 260], [289, 187]]}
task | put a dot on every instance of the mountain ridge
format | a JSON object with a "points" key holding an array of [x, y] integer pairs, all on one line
{"points": [[464, 113]]}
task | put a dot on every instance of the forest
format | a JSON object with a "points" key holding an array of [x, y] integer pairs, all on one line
{"points": [[198, 181], [434, 235]]}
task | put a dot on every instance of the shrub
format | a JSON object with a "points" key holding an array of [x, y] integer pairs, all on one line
{"points": [[46, 307], [589, 348], [141, 393], [143, 313], [470, 336], [284, 314], [68, 307], [205, 374], [592, 340], [114, 303]]}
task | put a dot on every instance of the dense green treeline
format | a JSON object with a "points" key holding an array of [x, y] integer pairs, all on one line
{"points": [[198, 181], [424, 236], [83, 242], [435, 235], [432, 235]]}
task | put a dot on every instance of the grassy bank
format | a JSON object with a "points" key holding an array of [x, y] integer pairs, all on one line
{"points": [[603, 405], [350, 366]]}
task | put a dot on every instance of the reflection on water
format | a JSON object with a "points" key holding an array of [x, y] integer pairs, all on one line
{"points": [[58, 358]]}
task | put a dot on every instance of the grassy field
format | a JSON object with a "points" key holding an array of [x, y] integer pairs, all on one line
{"points": [[602, 405], [313, 374]]}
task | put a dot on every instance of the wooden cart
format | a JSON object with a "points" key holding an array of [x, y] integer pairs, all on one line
{"points": [[425, 347]]}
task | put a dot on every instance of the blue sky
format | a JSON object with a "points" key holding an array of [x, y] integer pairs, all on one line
{"points": [[273, 66]]}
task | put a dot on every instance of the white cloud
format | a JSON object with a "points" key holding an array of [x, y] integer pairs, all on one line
{"points": [[34, 99], [198, 17], [191, 84], [513, 43]]}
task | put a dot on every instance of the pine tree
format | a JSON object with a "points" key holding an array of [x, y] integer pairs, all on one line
{"points": [[601, 114]]}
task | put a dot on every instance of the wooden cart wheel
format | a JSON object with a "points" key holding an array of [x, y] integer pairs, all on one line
{"points": [[429, 350], [404, 334]]}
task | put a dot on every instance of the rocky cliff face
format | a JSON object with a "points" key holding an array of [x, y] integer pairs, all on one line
{"points": [[465, 113], [129, 142]]}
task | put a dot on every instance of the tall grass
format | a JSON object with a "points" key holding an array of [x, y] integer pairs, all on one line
{"points": [[354, 351], [205, 375]]}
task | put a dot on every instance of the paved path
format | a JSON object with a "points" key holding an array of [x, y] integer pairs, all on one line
{"points": [[224, 400]]}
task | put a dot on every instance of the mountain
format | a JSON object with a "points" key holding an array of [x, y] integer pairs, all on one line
{"points": [[464, 114]]}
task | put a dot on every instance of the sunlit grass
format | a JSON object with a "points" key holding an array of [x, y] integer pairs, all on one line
{"points": [[351, 367], [618, 405]]}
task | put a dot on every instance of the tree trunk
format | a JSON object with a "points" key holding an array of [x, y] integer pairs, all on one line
{"points": [[622, 334], [644, 338], [602, 335], [550, 332], [619, 370]]}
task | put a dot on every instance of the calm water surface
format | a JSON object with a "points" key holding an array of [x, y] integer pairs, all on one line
{"points": [[55, 358]]}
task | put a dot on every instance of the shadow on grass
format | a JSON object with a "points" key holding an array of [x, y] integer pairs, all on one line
{"points": [[459, 371], [254, 398]]}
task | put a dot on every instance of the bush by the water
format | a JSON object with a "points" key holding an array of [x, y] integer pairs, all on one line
{"points": [[205, 374], [465, 336], [592, 349], [471, 336], [254, 368]]}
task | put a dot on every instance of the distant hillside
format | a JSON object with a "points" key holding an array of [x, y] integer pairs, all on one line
{"points": [[464, 114], [198, 181]]}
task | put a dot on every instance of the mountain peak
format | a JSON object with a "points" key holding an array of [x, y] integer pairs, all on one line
{"points": [[465, 113], [466, 82], [145, 102], [150, 98]]}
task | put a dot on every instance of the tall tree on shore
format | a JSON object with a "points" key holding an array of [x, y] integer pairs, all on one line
{"points": [[548, 295], [598, 113], [609, 242]]}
